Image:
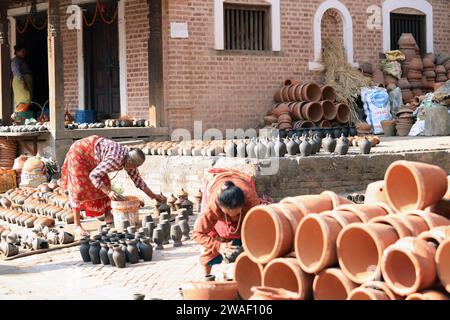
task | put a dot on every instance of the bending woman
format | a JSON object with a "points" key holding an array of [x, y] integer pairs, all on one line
{"points": [[229, 196], [85, 176]]}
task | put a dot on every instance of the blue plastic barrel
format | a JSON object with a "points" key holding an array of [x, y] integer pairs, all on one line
{"points": [[86, 116]]}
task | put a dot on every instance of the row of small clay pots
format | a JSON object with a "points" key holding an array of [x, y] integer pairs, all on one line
{"points": [[25, 219], [292, 225], [308, 91]]}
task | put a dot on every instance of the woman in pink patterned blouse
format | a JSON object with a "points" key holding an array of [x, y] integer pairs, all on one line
{"points": [[85, 176]]}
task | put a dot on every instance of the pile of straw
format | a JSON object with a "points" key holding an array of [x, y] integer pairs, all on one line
{"points": [[339, 74]]}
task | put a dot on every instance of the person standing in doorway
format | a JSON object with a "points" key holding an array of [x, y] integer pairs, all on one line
{"points": [[22, 83]]}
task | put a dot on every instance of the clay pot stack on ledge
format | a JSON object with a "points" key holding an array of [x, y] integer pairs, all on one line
{"points": [[394, 246], [306, 105]]}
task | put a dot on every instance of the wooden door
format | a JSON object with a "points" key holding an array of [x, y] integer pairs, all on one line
{"points": [[102, 73]]}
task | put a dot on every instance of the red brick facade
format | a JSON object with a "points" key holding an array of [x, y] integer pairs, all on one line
{"points": [[230, 89]]}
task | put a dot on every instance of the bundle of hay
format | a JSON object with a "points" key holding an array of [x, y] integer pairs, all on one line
{"points": [[343, 77]]}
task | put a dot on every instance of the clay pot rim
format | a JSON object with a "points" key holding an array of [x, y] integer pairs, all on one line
{"points": [[399, 246], [400, 226], [287, 262], [327, 244], [437, 234], [379, 285], [355, 208], [421, 294], [335, 198], [339, 275], [365, 291], [277, 245], [277, 292], [365, 227], [260, 266], [427, 217]]}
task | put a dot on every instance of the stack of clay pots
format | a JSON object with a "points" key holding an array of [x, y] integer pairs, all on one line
{"points": [[405, 121], [429, 71], [407, 44], [414, 76], [307, 105], [394, 246]]}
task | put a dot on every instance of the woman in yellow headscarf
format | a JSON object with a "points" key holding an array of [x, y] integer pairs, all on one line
{"points": [[22, 80]]}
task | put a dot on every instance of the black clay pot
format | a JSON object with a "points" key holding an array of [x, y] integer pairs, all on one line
{"points": [[342, 146], [145, 249], [184, 225], [282, 134], [104, 254], [151, 226], [132, 252], [94, 252], [145, 219], [241, 150], [84, 250], [292, 147], [345, 131], [353, 132], [111, 253], [158, 237], [336, 133], [123, 243], [231, 149], [365, 146], [166, 227], [280, 148], [119, 256], [329, 144], [176, 235]]}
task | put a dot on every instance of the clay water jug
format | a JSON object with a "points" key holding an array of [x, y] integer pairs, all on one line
{"points": [[119, 256], [270, 147], [231, 149], [145, 249], [251, 148], [241, 149], [176, 235], [111, 253], [104, 254], [260, 150], [94, 252], [292, 147], [329, 144], [342, 145], [132, 252], [364, 146], [305, 147], [280, 148], [84, 250]]}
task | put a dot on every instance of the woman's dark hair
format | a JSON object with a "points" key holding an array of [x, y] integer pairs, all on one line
{"points": [[18, 47], [231, 196]]}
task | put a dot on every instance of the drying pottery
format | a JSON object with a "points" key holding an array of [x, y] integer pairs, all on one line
{"points": [[267, 293], [310, 91], [364, 212], [94, 251], [342, 146], [132, 252], [328, 93], [414, 185], [343, 113], [250, 148], [65, 237], [389, 128], [241, 149], [9, 249], [247, 274], [145, 249], [360, 248], [39, 243], [404, 225], [110, 254], [119, 256], [285, 273], [428, 295], [184, 225], [158, 237], [231, 148], [176, 235], [375, 192], [332, 284], [443, 263], [336, 200], [305, 148], [103, 253], [408, 266], [292, 147], [364, 146], [209, 290]]}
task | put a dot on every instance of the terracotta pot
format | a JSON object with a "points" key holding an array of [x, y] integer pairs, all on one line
{"points": [[408, 266], [365, 212], [285, 273], [285, 126], [440, 69], [431, 219], [266, 234], [403, 83], [375, 192], [403, 129], [268, 120], [310, 203], [428, 295], [328, 93], [414, 74], [343, 113], [443, 263], [436, 235], [324, 124], [296, 110], [312, 111], [404, 225], [389, 128], [329, 110], [285, 117], [336, 199], [407, 40], [292, 90], [343, 217], [290, 81], [407, 95], [360, 248], [210, 290], [280, 109], [285, 93], [414, 185], [373, 290], [303, 124], [430, 74], [247, 274], [442, 208], [416, 64], [267, 293], [332, 284], [311, 92]]}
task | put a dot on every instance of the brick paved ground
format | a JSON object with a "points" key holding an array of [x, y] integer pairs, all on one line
{"points": [[62, 275]]}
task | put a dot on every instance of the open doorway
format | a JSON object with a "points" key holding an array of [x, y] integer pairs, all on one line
{"points": [[32, 33], [409, 23], [101, 54]]}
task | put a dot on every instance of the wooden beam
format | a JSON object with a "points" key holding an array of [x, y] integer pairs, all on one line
{"points": [[55, 69], [155, 61], [5, 66]]}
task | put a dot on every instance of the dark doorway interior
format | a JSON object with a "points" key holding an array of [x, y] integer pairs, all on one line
{"points": [[409, 23], [34, 38], [101, 53]]}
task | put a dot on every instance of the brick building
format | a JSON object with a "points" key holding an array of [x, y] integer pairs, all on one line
{"points": [[191, 60]]}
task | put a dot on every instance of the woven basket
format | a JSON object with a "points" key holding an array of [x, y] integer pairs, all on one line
{"points": [[8, 153], [7, 180]]}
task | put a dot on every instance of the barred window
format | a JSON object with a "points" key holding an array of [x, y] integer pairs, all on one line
{"points": [[246, 27]]}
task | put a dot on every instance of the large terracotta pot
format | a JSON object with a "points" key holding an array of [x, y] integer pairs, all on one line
{"points": [[428, 295], [332, 284], [285, 93], [311, 203], [266, 234], [414, 185], [373, 290], [268, 293], [329, 110], [343, 217], [315, 242], [343, 113], [278, 97], [405, 226], [407, 41], [443, 263], [328, 93], [336, 199], [431, 219], [365, 212], [210, 290], [247, 274], [360, 248], [312, 111], [280, 109], [311, 92], [285, 273], [408, 266], [375, 192]]}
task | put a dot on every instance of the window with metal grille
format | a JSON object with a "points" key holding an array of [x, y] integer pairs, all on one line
{"points": [[246, 27], [408, 23]]}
